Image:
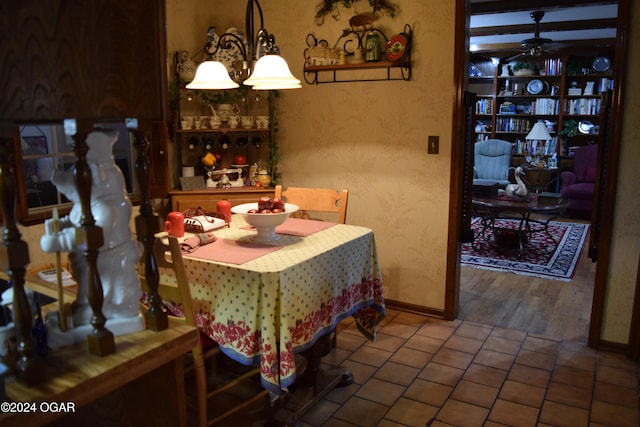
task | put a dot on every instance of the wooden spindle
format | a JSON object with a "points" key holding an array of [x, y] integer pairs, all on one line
{"points": [[90, 239], [148, 225], [14, 257]]}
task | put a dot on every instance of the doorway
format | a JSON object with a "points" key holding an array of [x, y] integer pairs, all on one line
{"points": [[597, 273]]}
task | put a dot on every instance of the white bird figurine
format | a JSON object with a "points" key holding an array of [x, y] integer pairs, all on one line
{"points": [[518, 190]]}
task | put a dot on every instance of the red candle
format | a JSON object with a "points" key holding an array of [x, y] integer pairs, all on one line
{"points": [[224, 207]]}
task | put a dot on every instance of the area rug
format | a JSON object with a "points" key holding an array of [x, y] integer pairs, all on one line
{"points": [[538, 259]]}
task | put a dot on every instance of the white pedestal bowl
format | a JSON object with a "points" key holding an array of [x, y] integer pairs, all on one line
{"points": [[264, 223]]}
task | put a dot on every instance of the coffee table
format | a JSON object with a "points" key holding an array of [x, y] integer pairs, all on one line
{"points": [[504, 207]]}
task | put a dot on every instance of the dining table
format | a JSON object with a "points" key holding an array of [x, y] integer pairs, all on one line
{"points": [[265, 302]]}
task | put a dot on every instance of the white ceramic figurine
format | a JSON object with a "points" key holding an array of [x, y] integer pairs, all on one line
{"points": [[111, 209]]}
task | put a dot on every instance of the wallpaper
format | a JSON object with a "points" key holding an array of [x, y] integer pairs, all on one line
{"points": [[371, 137], [626, 234]]}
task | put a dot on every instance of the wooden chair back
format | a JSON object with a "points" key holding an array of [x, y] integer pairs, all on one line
{"points": [[325, 200], [167, 253]]}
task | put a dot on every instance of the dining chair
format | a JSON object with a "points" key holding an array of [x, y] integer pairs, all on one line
{"points": [[176, 295], [321, 200], [324, 200]]}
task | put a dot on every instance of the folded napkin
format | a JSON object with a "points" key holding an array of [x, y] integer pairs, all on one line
{"points": [[190, 244]]}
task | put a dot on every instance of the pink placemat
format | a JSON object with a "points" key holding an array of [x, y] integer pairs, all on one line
{"points": [[233, 251], [299, 227], [302, 227]]}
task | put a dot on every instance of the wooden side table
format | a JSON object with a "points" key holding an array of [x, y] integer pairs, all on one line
{"points": [[140, 384], [541, 178]]}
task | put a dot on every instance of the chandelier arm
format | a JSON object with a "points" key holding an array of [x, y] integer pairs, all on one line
{"points": [[250, 26], [224, 43]]}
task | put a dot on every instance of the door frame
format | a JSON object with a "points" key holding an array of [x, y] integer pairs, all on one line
{"points": [[458, 186]]}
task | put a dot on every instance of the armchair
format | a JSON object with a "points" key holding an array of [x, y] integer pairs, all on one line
{"points": [[578, 185], [492, 160]]}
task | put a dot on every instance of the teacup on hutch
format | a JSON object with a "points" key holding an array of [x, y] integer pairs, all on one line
{"points": [[215, 122], [233, 121], [204, 122], [247, 122], [226, 110], [186, 122], [262, 122]]}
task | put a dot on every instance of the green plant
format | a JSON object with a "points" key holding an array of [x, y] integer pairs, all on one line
{"points": [[569, 128], [326, 7], [274, 156], [523, 66], [576, 67], [222, 96]]}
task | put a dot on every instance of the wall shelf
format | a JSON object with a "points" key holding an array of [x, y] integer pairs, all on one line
{"points": [[382, 70], [388, 71]]}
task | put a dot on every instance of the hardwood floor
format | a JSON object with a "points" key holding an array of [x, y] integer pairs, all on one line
{"points": [[546, 307]]}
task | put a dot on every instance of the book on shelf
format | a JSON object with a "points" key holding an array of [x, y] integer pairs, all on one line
{"points": [[583, 106], [552, 67]]}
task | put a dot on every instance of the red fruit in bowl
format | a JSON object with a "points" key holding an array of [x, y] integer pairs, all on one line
{"points": [[253, 211], [265, 203], [265, 211], [278, 204], [239, 159], [276, 210]]}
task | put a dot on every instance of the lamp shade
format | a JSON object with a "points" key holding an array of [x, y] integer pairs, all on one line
{"points": [[212, 75], [272, 72], [538, 132]]}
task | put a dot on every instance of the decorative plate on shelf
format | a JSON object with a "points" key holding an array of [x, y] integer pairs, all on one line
{"points": [[230, 52], [535, 87], [396, 47], [601, 64]]}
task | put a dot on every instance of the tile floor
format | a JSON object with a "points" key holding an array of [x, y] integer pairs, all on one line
{"points": [[428, 372]]}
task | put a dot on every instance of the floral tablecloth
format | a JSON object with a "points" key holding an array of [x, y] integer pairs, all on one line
{"points": [[267, 309]]}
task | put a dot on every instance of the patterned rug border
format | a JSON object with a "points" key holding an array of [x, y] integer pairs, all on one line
{"points": [[568, 254]]}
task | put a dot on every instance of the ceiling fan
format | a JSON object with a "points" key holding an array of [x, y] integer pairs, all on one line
{"points": [[535, 45]]}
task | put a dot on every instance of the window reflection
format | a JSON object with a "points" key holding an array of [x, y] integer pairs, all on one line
{"points": [[45, 148]]}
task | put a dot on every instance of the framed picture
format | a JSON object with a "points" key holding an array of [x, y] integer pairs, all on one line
{"points": [[34, 145], [552, 163]]}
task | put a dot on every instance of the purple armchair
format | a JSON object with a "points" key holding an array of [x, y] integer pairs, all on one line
{"points": [[578, 186]]}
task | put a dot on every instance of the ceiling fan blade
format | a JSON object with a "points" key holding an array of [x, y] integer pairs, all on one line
{"points": [[535, 41], [514, 57]]}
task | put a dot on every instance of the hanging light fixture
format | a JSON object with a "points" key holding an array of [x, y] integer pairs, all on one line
{"points": [[262, 64], [212, 75]]}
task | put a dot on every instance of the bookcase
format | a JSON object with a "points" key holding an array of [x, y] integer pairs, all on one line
{"points": [[567, 94]]}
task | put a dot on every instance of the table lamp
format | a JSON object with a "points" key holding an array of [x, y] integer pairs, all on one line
{"points": [[538, 133]]}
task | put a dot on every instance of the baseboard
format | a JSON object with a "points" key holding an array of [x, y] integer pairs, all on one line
{"points": [[413, 308], [614, 347]]}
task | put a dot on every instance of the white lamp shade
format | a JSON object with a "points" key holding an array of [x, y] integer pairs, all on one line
{"points": [[212, 75], [275, 86], [272, 72], [539, 132]]}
